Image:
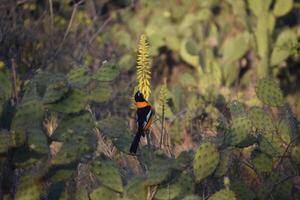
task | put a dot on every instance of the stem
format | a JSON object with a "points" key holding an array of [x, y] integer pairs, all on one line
{"points": [[162, 126], [14, 77]]}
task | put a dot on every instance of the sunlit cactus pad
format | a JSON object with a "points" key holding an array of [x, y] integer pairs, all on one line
{"points": [[223, 194], [269, 92], [241, 127], [261, 120], [205, 161]]}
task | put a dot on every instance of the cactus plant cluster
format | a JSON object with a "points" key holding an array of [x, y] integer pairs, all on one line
{"points": [[66, 126]]}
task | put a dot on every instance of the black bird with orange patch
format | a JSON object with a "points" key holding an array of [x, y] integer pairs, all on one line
{"points": [[145, 115]]}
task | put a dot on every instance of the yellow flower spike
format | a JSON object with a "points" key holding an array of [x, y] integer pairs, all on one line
{"points": [[143, 67], [163, 96], [1, 65]]}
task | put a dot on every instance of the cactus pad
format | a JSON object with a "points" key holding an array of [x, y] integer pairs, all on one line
{"points": [[107, 72], [73, 103], [236, 108], [241, 128], [269, 92], [296, 154], [205, 161], [223, 194], [262, 162], [183, 185], [103, 193], [28, 190], [261, 120], [223, 164], [108, 174]]}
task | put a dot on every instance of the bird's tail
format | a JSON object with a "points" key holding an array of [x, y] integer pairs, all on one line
{"points": [[135, 142]]}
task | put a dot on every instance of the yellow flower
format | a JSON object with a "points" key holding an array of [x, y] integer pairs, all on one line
{"points": [[143, 67], [1, 65]]}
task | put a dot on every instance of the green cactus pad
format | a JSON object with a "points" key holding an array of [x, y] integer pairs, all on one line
{"points": [[182, 161], [269, 92], [241, 128], [136, 190], [191, 197], [70, 128], [186, 55], [262, 162], [37, 141], [55, 88], [182, 186], [62, 175], [205, 161], [223, 195], [235, 47], [285, 131], [282, 47], [29, 115], [223, 164], [236, 108], [6, 141], [68, 153], [156, 175], [81, 194], [272, 144], [28, 190], [295, 154], [101, 94], [261, 120], [73, 103], [108, 174], [113, 127], [78, 77], [242, 191], [107, 72], [103, 193], [258, 7], [282, 7]]}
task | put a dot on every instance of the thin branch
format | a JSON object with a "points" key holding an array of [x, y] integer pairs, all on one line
{"points": [[51, 14]]}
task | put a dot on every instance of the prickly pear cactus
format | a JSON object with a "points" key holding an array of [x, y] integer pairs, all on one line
{"points": [[28, 189], [261, 120], [205, 161], [108, 174], [268, 91], [241, 128], [183, 185], [73, 103], [223, 164], [296, 154], [236, 108], [262, 162], [224, 194], [136, 189], [103, 193], [285, 131]]}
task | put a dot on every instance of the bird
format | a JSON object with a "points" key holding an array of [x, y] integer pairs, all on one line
{"points": [[144, 114]]}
